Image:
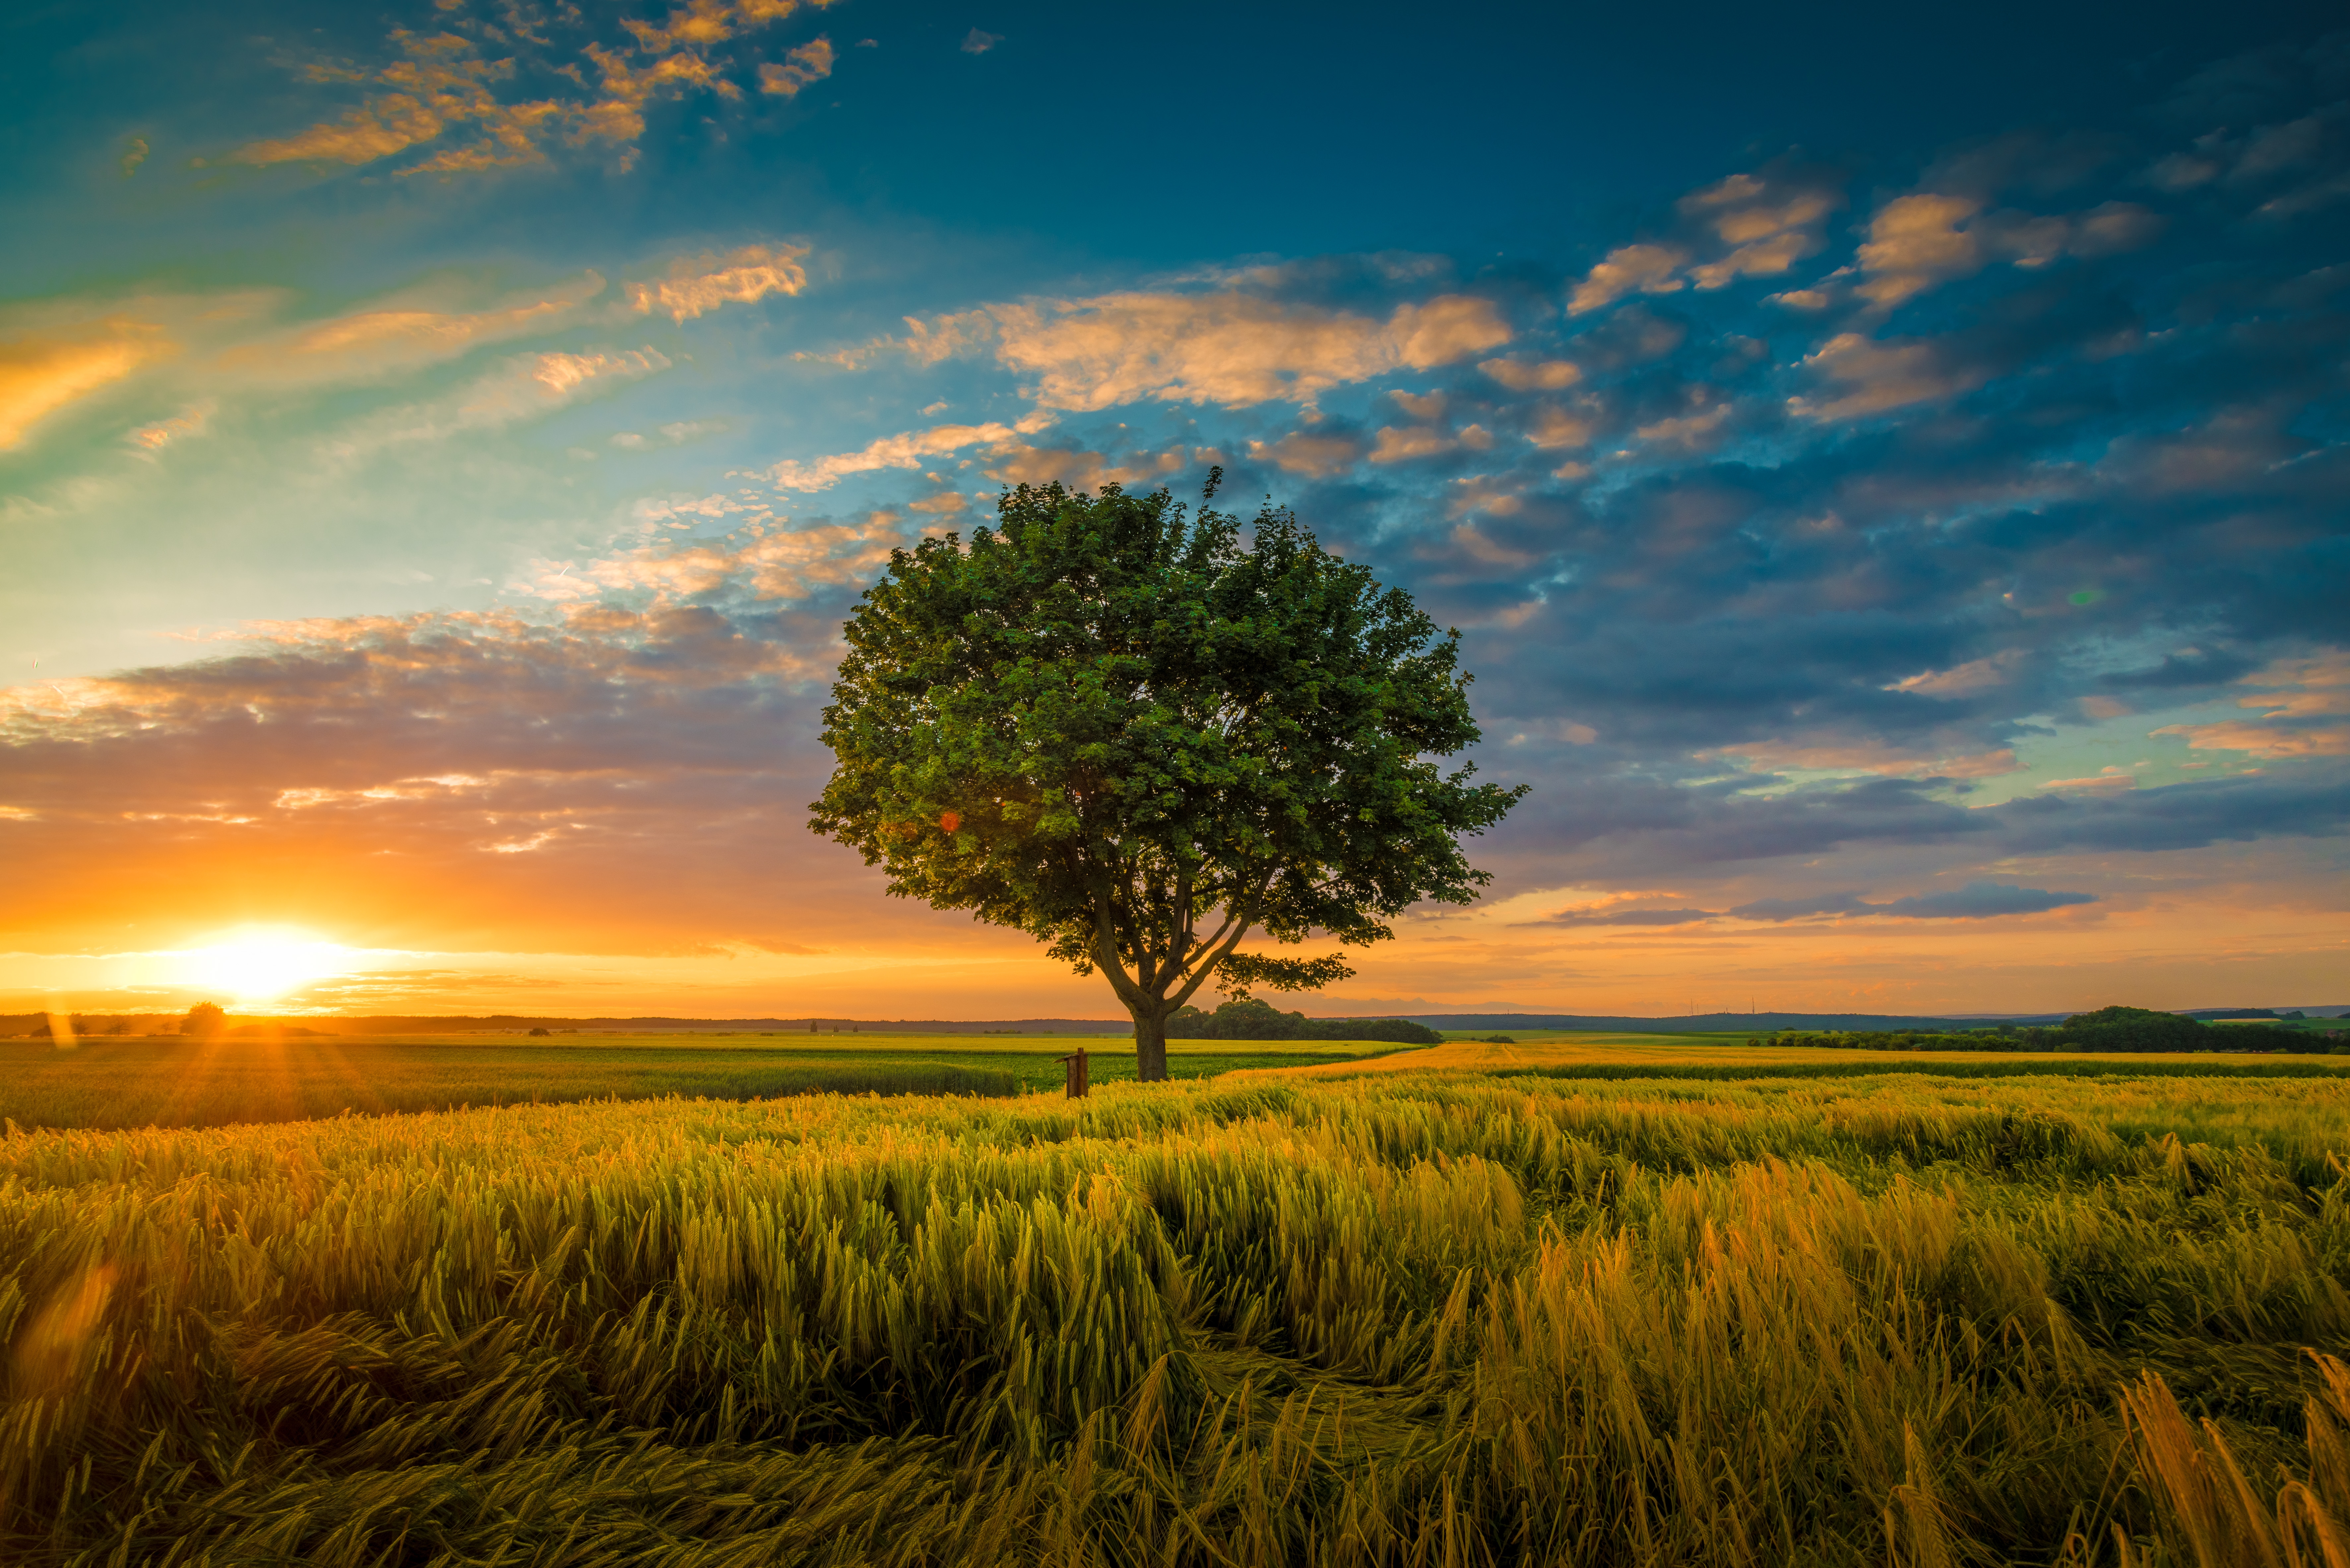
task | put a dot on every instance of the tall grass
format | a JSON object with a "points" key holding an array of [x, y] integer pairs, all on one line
{"points": [[1424, 1319]]}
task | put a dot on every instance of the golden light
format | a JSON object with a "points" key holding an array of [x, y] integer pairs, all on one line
{"points": [[260, 966]]}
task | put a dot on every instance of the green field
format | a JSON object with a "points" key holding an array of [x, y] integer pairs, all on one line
{"points": [[1348, 1312], [110, 1081]]}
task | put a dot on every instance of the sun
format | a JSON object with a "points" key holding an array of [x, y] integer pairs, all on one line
{"points": [[260, 966]]}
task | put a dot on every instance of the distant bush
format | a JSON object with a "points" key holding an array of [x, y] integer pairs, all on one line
{"points": [[1246, 1018], [2133, 1029], [1909, 1040], [2109, 1028], [539, 1033]]}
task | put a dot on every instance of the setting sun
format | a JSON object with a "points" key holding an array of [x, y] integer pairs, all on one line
{"points": [[264, 965]]}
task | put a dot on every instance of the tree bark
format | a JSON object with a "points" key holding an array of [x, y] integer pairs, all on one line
{"points": [[1150, 1045]]}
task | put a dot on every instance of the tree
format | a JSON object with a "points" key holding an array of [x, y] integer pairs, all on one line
{"points": [[2133, 1029], [1140, 740], [205, 1018]]}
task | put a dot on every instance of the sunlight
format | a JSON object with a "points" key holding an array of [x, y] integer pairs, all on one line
{"points": [[260, 966]]}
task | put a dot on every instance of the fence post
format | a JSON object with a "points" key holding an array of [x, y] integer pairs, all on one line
{"points": [[1074, 1064]]}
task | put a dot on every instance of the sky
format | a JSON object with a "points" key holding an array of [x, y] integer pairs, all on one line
{"points": [[1888, 469]]}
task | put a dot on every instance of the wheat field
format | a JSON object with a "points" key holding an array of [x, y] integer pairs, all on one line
{"points": [[1403, 1318]]}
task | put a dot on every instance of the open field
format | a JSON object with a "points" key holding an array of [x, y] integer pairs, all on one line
{"points": [[1393, 1317], [111, 1081], [1728, 1057]]}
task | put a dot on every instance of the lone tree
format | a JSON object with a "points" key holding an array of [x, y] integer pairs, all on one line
{"points": [[205, 1019], [1139, 739]]}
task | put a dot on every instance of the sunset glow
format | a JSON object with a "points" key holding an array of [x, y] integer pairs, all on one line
{"points": [[263, 966], [1896, 526]]}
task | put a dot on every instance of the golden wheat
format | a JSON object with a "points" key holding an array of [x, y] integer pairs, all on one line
{"points": [[1426, 1319]]}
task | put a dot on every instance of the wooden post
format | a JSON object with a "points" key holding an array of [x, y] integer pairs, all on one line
{"points": [[1075, 1063]]}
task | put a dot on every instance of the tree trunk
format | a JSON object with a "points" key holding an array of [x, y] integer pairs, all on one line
{"points": [[1150, 1045]]}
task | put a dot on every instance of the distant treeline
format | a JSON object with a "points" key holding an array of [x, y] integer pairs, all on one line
{"points": [[1246, 1018], [2111, 1029]]}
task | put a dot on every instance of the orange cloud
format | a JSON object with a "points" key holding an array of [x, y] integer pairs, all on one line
{"points": [[768, 563], [1533, 375], [398, 336], [2312, 688], [440, 89], [809, 64], [1228, 349], [1629, 269], [1918, 243], [696, 286], [42, 373], [1020, 464], [1883, 375], [911, 449]]}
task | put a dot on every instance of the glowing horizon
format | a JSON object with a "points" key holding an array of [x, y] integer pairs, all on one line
{"points": [[1894, 512]]}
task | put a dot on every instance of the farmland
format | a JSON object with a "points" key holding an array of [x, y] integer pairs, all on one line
{"points": [[1401, 1310], [107, 1082]]}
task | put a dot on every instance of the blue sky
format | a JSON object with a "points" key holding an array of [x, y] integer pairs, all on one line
{"points": [[1888, 470]]}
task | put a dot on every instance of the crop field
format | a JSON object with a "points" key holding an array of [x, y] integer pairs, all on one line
{"points": [[107, 1082], [1345, 1314]]}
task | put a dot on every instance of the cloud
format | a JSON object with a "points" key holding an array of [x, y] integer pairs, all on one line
{"points": [[1975, 901], [1879, 374], [978, 43], [400, 336], [526, 386], [440, 91], [41, 373], [809, 64], [2260, 740], [1921, 242], [1017, 462], [368, 771], [1873, 757], [153, 438], [763, 562], [2303, 692], [1314, 456], [1410, 443], [1631, 918], [1531, 376], [1642, 269], [700, 284], [1228, 349], [1769, 223], [911, 449], [2293, 167], [1752, 225]]}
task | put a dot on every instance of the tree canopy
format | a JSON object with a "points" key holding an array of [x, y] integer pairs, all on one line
{"points": [[2132, 1029], [1246, 1018], [205, 1018], [1142, 739]]}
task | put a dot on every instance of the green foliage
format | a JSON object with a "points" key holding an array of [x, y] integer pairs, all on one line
{"points": [[2137, 1029], [1909, 1040], [1246, 1018], [1136, 739], [114, 1084], [205, 1018], [1422, 1320]]}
